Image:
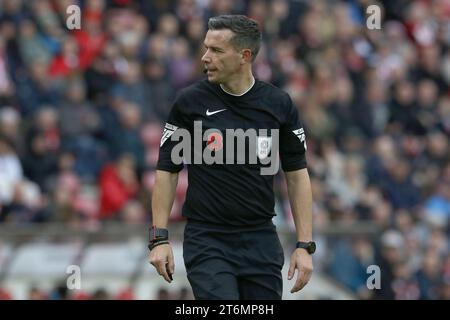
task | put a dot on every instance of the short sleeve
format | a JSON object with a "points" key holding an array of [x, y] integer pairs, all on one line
{"points": [[177, 119], [292, 140]]}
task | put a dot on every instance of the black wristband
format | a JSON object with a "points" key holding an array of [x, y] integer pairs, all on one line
{"points": [[158, 234], [310, 246], [157, 243]]}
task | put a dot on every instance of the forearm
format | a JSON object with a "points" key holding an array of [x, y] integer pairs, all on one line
{"points": [[300, 198], [163, 196]]}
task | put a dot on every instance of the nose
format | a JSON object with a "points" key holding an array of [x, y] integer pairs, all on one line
{"points": [[206, 58]]}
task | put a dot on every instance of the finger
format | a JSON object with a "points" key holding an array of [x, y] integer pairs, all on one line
{"points": [[291, 269], [171, 263], [308, 276], [300, 283], [302, 280], [162, 270], [170, 274]]}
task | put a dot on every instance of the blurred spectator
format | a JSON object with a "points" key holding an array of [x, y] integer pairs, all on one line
{"points": [[163, 294], [349, 264], [32, 45], [131, 88], [389, 255], [348, 181], [125, 294], [134, 213], [445, 290], [181, 64], [185, 294], [35, 89], [103, 72], [428, 277], [399, 187], [126, 137], [10, 121], [60, 292], [61, 207], [69, 60], [10, 170], [158, 83], [100, 294], [7, 88], [151, 137], [438, 205], [80, 296], [404, 284], [26, 204], [77, 116], [91, 38], [43, 140], [80, 124], [5, 295], [118, 183], [36, 294]]}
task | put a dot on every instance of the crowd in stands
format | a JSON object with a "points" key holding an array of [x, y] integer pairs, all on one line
{"points": [[60, 292], [81, 116]]}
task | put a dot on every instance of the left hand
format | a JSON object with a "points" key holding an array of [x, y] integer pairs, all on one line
{"points": [[302, 261]]}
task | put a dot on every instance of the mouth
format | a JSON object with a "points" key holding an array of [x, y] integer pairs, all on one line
{"points": [[209, 70]]}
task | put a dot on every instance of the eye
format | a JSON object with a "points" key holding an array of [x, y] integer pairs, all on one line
{"points": [[213, 49]]}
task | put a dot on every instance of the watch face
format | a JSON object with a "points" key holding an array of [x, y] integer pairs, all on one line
{"points": [[312, 247], [156, 233]]}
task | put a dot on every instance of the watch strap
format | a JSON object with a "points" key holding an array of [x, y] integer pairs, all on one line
{"points": [[157, 243], [310, 246], [158, 234]]}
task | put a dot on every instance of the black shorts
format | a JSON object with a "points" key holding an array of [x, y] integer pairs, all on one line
{"points": [[233, 262]]}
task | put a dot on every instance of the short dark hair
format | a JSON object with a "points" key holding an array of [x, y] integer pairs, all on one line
{"points": [[246, 31]]}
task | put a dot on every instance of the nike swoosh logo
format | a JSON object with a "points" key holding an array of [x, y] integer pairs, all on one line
{"points": [[208, 113]]}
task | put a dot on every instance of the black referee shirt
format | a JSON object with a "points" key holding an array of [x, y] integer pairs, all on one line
{"points": [[233, 194]]}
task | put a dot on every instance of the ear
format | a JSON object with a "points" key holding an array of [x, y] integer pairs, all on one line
{"points": [[246, 56]]}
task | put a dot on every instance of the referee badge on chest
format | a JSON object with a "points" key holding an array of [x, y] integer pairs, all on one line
{"points": [[263, 146]]}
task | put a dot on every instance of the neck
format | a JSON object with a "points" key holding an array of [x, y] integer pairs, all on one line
{"points": [[239, 85]]}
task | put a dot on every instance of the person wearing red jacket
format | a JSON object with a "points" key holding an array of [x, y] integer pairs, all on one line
{"points": [[118, 184]]}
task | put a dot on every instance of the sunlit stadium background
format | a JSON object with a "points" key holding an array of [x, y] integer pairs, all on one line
{"points": [[81, 113]]}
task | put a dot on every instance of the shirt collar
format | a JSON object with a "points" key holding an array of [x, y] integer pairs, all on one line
{"points": [[239, 95]]}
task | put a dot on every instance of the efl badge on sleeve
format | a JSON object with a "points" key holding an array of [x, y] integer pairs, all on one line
{"points": [[169, 129]]}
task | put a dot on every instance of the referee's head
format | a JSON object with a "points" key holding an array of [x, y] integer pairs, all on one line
{"points": [[232, 43]]}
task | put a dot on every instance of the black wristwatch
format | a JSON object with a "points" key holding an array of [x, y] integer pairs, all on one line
{"points": [[158, 234], [310, 246]]}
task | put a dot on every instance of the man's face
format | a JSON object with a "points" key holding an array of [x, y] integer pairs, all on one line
{"points": [[221, 59]]}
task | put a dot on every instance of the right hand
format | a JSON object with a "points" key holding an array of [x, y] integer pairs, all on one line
{"points": [[161, 257]]}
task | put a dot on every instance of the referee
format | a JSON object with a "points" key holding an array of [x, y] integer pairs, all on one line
{"points": [[231, 249]]}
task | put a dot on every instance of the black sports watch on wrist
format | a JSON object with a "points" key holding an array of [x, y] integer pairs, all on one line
{"points": [[158, 234], [310, 246]]}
